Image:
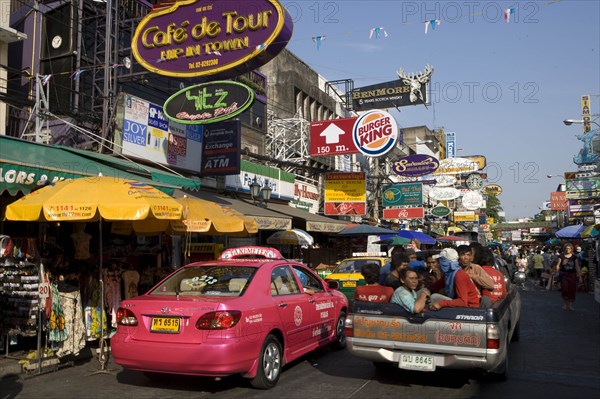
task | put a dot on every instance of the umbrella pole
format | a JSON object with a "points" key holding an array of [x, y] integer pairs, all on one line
{"points": [[103, 355]]}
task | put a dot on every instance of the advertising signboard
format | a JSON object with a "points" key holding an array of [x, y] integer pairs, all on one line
{"points": [[191, 38], [375, 133], [583, 184], [332, 137], [221, 149], [585, 113], [453, 166], [386, 95], [440, 211], [415, 165], [443, 193], [146, 133], [558, 200], [280, 181], [402, 194], [403, 213], [306, 197], [492, 189], [209, 102], [465, 216], [450, 144], [345, 193]]}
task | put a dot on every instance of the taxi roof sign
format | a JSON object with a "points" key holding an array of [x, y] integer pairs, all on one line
{"points": [[251, 252]]}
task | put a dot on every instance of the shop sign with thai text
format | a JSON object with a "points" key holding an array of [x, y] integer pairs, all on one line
{"points": [[404, 213], [415, 165], [402, 194]]}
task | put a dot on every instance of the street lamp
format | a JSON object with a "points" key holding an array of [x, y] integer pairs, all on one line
{"points": [[260, 195], [569, 122], [550, 176]]}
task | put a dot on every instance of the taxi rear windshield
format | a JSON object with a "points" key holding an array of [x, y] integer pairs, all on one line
{"points": [[206, 281]]}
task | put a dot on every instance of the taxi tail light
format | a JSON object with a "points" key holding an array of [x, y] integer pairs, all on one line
{"points": [[220, 320], [349, 326], [125, 317]]}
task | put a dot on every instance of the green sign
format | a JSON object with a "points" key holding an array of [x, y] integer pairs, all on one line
{"points": [[403, 194], [440, 211]]}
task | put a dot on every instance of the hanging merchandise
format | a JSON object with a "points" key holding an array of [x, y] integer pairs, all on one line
{"points": [[19, 297]]}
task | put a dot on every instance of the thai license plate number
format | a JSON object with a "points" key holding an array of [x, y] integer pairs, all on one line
{"points": [[348, 283], [417, 362], [165, 324]]}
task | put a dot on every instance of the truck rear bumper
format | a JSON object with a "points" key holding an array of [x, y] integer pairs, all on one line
{"points": [[487, 361]]}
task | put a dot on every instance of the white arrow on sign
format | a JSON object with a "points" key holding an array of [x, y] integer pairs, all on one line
{"points": [[332, 134]]}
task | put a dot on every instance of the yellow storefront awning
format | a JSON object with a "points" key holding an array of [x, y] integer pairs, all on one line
{"points": [[314, 222], [266, 219]]}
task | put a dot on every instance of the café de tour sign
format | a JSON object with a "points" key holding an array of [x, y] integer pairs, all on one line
{"points": [[193, 38]]}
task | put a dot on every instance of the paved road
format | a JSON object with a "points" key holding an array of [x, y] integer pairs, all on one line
{"points": [[558, 356]]}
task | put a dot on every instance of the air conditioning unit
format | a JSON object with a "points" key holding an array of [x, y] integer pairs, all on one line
{"points": [[251, 148]]}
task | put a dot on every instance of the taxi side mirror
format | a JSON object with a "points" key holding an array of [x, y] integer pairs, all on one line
{"points": [[333, 285]]}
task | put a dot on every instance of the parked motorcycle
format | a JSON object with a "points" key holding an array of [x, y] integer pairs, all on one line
{"points": [[519, 278]]}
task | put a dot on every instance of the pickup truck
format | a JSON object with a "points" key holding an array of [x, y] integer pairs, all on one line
{"points": [[458, 338]]}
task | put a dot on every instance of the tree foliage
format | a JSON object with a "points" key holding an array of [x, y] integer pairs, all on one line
{"points": [[492, 207]]}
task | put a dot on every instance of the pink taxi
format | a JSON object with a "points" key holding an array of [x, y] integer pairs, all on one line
{"points": [[250, 312]]}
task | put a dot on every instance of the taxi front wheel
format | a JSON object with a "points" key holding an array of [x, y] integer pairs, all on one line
{"points": [[340, 332], [269, 364]]}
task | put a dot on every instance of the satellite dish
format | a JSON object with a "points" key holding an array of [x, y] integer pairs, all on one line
{"points": [[127, 62]]}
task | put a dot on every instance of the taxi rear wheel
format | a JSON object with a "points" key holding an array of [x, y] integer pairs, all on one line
{"points": [[340, 332], [269, 364]]}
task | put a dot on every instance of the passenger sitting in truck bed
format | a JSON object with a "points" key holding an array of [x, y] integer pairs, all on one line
{"points": [[407, 296], [460, 289], [485, 257], [372, 291], [479, 276], [399, 261]]}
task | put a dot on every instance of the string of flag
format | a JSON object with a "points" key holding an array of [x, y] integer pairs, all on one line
{"points": [[318, 40]]}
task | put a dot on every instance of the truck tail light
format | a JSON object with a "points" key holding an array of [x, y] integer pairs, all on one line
{"points": [[493, 337], [220, 320], [125, 317], [349, 326]]}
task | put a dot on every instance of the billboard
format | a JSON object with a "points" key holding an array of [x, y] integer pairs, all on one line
{"points": [[333, 137], [211, 102], [450, 144], [142, 131], [386, 95], [221, 149], [402, 194], [345, 193], [191, 38]]}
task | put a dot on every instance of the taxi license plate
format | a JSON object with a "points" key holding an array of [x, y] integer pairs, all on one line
{"points": [[417, 362], [348, 283], [165, 325]]}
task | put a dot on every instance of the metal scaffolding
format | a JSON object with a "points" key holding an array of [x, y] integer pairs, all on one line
{"points": [[287, 139]]}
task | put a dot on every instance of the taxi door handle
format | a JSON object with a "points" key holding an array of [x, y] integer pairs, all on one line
{"points": [[282, 305], [311, 300]]}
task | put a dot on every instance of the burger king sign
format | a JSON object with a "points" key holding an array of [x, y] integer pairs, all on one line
{"points": [[375, 133]]}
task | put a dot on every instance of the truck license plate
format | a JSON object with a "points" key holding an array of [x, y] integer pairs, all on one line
{"points": [[348, 283], [417, 362]]}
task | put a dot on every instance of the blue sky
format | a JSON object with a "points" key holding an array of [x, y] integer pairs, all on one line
{"points": [[504, 88]]}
